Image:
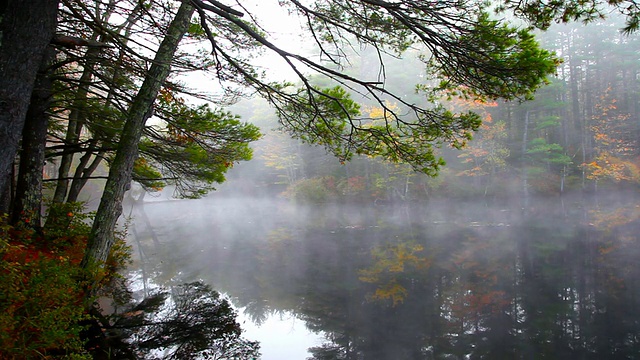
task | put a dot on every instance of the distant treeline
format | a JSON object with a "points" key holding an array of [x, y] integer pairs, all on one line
{"points": [[581, 132]]}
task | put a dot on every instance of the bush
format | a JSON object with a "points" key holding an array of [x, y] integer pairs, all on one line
{"points": [[40, 303], [42, 286], [314, 190]]}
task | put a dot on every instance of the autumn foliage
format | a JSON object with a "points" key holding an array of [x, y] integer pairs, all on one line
{"points": [[43, 288], [41, 303]]}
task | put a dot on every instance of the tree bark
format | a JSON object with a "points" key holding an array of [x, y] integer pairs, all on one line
{"points": [[25, 32], [102, 238], [27, 203]]}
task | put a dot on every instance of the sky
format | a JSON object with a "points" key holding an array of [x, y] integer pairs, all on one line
{"points": [[282, 29], [280, 337]]}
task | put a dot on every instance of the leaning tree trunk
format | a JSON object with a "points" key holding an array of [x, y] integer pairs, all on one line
{"points": [[101, 238], [28, 198], [26, 28]]}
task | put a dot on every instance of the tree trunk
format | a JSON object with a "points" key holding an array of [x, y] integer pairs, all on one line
{"points": [[78, 115], [102, 238], [25, 32], [83, 174], [75, 124], [28, 198], [525, 175]]}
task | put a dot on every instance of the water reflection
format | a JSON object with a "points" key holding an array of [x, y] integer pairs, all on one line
{"points": [[435, 282]]}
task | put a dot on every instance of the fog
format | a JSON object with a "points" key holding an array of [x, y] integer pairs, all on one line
{"points": [[524, 247], [406, 280]]}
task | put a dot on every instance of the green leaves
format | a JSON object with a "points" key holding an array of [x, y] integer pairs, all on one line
{"points": [[321, 117], [495, 61], [196, 30], [467, 53], [545, 152], [331, 119], [194, 149], [542, 13]]}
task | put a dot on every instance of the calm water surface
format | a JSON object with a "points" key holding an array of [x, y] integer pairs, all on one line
{"points": [[445, 280]]}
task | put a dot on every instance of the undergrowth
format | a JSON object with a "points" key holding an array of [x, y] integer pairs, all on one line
{"points": [[43, 289]]}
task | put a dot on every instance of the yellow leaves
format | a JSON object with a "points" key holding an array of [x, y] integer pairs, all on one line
{"points": [[391, 262], [380, 113], [594, 165]]}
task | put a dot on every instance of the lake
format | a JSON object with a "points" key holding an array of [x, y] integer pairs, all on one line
{"points": [[443, 280]]}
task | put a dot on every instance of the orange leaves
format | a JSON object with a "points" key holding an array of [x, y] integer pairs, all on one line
{"points": [[607, 166], [179, 136], [609, 220], [472, 172], [26, 254], [355, 185], [476, 105], [473, 303], [614, 143], [167, 95], [487, 153], [594, 165]]}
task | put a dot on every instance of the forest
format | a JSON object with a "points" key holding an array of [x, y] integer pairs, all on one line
{"points": [[385, 103], [579, 134]]}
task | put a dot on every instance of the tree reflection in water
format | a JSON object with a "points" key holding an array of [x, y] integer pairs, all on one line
{"points": [[191, 321], [428, 283]]}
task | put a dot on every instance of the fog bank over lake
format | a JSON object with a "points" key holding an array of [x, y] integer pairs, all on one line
{"points": [[409, 281]]}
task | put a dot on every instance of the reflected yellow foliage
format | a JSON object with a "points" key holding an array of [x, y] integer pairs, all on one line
{"points": [[391, 291], [608, 220], [279, 235], [389, 267]]}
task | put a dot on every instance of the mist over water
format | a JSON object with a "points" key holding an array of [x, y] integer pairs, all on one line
{"points": [[369, 260], [443, 279]]}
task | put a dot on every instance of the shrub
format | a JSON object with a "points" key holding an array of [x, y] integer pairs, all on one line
{"points": [[40, 303], [314, 190], [42, 286]]}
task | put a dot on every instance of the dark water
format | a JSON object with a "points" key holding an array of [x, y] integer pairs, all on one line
{"points": [[445, 280]]}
